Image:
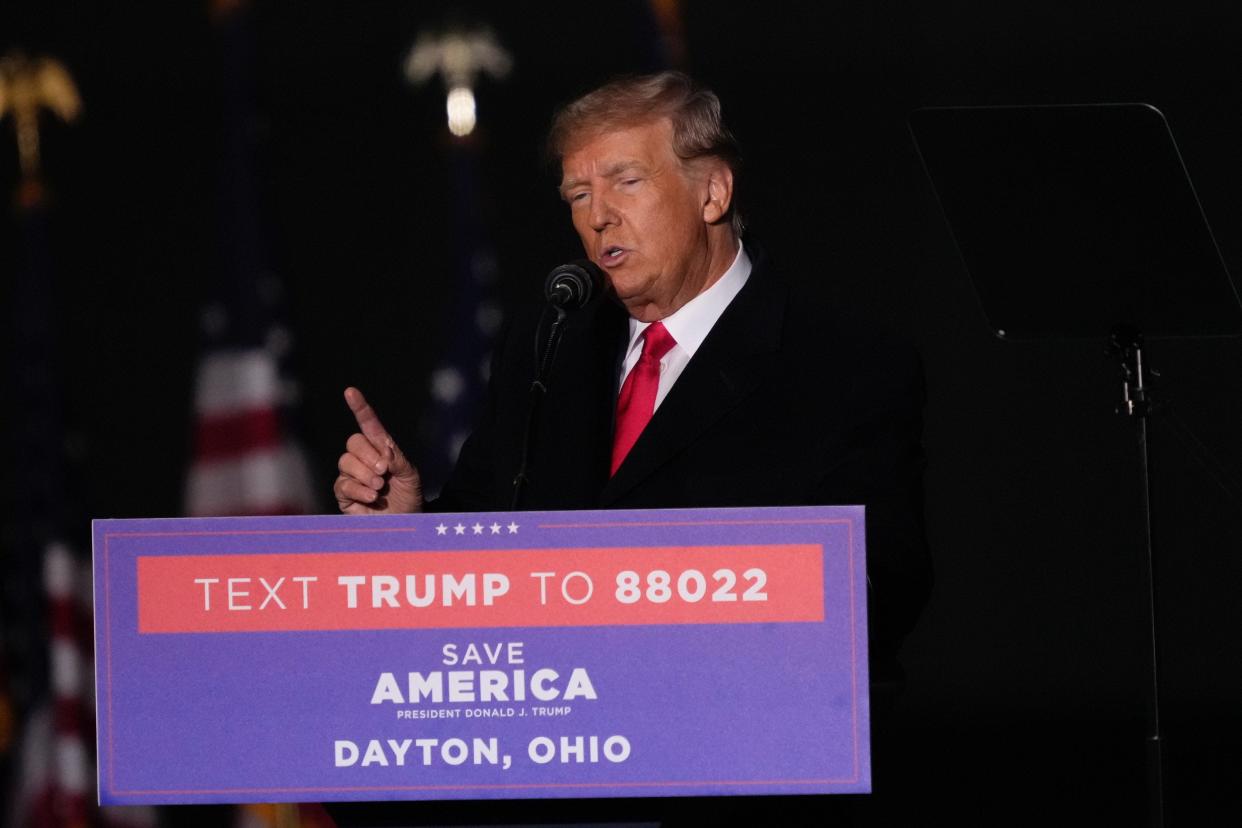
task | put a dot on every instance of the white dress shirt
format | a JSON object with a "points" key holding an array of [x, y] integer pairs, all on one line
{"points": [[689, 325]]}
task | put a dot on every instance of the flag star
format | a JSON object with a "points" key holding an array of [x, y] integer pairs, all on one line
{"points": [[447, 385], [478, 528], [513, 527], [441, 529], [495, 528], [459, 529]]}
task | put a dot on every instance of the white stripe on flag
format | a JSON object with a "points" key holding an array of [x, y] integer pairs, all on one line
{"points": [[272, 477], [73, 772], [231, 381], [67, 669], [58, 570]]}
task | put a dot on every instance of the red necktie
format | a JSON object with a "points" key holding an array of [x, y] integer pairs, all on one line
{"points": [[636, 402]]}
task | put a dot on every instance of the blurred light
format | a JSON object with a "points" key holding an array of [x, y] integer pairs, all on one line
{"points": [[461, 117]]}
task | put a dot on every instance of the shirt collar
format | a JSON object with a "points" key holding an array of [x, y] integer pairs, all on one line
{"points": [[690, 324]]}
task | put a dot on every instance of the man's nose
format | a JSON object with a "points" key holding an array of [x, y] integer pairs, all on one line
{"points": [[602, 213]]}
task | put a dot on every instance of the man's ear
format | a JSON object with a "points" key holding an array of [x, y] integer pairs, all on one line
{"points": [[718, 193]]}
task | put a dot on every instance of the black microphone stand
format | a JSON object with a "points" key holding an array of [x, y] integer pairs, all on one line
{"points": [[568, 287], [538, 390]]}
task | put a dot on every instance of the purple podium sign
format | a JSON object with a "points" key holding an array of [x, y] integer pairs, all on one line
{"points": [[482, 656]]}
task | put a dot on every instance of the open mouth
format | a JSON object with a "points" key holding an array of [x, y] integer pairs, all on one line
{"points": [[612, 255]]}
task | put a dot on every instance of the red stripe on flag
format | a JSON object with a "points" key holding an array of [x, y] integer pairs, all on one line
{"points": [[225, 436], [62, 617], [51, 807], [70, 717]]}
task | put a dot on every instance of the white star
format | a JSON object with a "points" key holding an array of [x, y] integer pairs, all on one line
{"points": [[495, 528], [441, 529], [488, 318], [447, 385], [513, 527], [478, 528], [459, 529]]}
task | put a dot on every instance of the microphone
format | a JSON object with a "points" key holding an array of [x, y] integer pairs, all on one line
{"points": [[572, 285]]}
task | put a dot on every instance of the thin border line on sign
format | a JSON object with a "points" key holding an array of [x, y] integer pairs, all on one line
{"points": [[257, 532], [622, 523], [516, 785]]}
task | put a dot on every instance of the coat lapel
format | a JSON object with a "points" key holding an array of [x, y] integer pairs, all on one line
{"points": [[727, 367]]}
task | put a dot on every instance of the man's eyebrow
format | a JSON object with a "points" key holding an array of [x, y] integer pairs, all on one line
{"points": [[567, 185], [611, 171], [621, 167]]}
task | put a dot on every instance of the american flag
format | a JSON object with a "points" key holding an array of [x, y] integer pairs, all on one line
{"points": [[245, 460], [56, 786], [57, 783], [457, 385]]}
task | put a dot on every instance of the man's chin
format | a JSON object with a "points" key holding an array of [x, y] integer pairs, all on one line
{"points": [[641, 310]]}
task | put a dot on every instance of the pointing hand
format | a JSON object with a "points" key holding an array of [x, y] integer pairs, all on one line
{"points": [[375, 477]]}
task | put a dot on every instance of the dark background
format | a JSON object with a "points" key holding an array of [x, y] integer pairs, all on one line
{"points": [[1024, 693]]}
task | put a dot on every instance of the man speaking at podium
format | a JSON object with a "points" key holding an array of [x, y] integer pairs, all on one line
{"points": [[700, 379]]}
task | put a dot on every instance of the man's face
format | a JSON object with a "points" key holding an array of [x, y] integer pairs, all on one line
{"points": [[642, 217]]}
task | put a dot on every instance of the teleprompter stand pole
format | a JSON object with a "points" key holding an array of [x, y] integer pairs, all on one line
{"points": [[1126, 344]]}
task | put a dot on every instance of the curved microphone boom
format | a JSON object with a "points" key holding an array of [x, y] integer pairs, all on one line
{"points": [[572, 285]]}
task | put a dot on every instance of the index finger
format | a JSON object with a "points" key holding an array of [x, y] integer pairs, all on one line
{"points": [[368, 420]]}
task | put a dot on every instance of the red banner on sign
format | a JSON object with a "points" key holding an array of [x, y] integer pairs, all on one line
{"points": [[494, 588]]}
